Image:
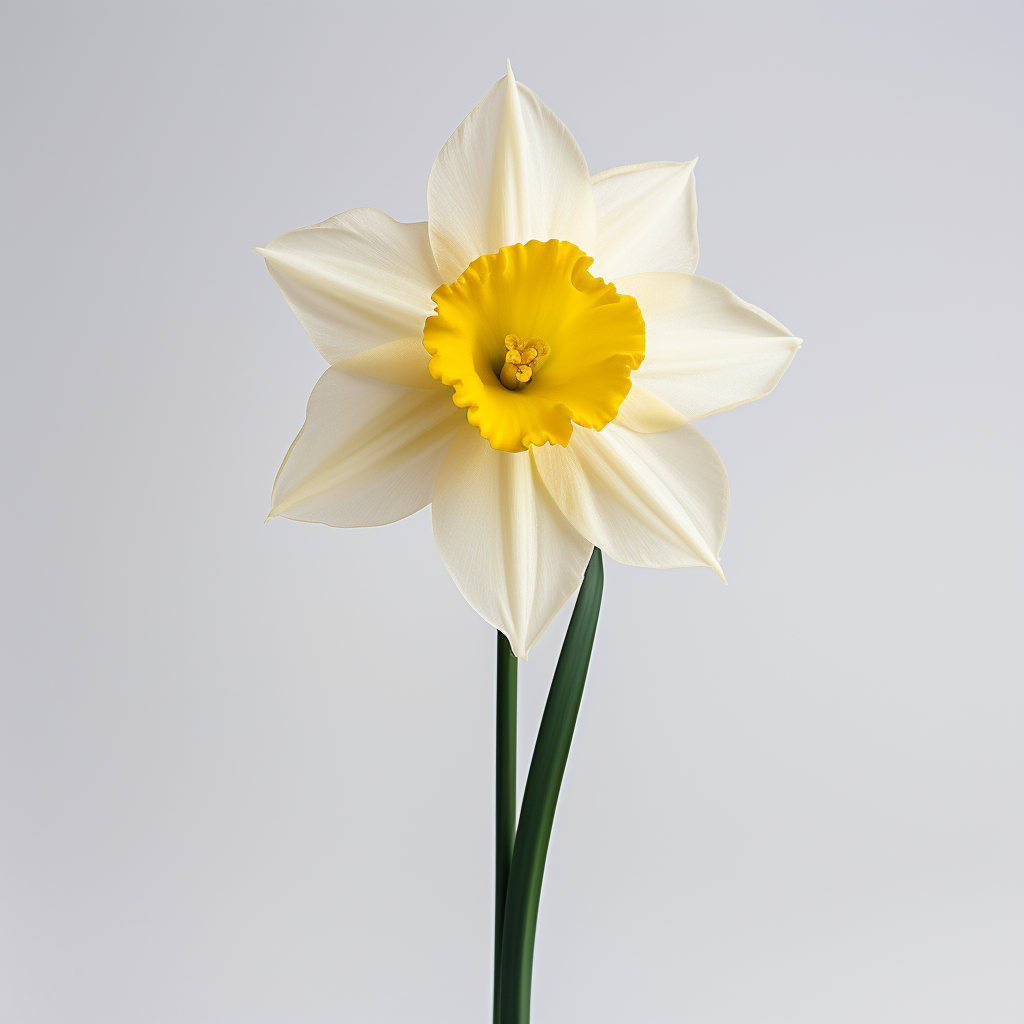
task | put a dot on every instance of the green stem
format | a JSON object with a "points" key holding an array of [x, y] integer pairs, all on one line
{"points": [[541, 796], [505, 795]]}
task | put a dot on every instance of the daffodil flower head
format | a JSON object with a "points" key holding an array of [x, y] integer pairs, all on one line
{"points": [[530, 360]]}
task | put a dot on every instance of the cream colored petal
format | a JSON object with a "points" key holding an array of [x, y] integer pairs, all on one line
{"points": [[511, 172], [398, 362], [646, 413], [357, 280], [706, 349], [367, 454], [657, 500], [508, 548], [646, 220]]}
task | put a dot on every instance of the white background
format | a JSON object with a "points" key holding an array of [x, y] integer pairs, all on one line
{"points": [[246, 769]]}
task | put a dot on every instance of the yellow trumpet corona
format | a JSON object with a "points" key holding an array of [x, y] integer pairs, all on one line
{"points": [[583, 339]]}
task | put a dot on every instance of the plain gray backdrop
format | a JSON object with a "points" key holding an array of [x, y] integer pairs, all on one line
{"points": [[247, 768]]}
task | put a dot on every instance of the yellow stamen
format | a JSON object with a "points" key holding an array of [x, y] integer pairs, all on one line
{"points": [[521, 361], [508, 376]]}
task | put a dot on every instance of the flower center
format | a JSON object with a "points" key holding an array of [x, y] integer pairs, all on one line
{"points": [[531, 343], [521, 361]]}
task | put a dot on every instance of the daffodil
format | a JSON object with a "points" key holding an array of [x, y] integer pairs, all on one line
{"points": [[530, 359]]}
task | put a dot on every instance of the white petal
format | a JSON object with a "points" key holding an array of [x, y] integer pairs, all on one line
{"points": [[646, 220], [508, 548], [367, 454], [658, 500], [356, 280], [398, 362], [646, 413], [706, 349], [511, 172]]}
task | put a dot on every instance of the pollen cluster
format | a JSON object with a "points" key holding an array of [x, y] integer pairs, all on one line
{"points": [[521, 360]]}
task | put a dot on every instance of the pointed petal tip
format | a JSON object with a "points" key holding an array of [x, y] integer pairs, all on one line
{"points": [[718, 568], [508, 68], [270, 515], [513, 642]]}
